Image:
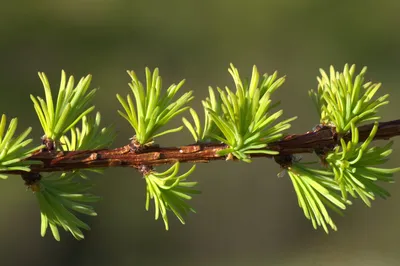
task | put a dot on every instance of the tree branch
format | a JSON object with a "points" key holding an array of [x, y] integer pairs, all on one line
{"points": [[322, 138]]}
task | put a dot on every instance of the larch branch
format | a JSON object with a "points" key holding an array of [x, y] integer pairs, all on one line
{"points": [[323, 137]]}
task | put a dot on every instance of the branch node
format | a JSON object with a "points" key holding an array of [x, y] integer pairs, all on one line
{"points": [[285, 161], [137, 147], [145, 169], [50, 144], [31, 180]]}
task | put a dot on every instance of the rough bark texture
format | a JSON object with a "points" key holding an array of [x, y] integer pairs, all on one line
{"points": [[320, 140]]}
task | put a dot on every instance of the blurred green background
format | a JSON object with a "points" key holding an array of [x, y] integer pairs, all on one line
{"points": [[245, 215]]}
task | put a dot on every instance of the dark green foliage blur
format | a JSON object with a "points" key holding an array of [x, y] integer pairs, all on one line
{"points": [[246, 215]]}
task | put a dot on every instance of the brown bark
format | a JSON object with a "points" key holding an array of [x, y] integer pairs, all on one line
{"points": [[320, 139]]}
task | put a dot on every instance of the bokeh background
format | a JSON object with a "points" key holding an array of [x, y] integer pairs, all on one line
{"points": [[245, 215]]}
